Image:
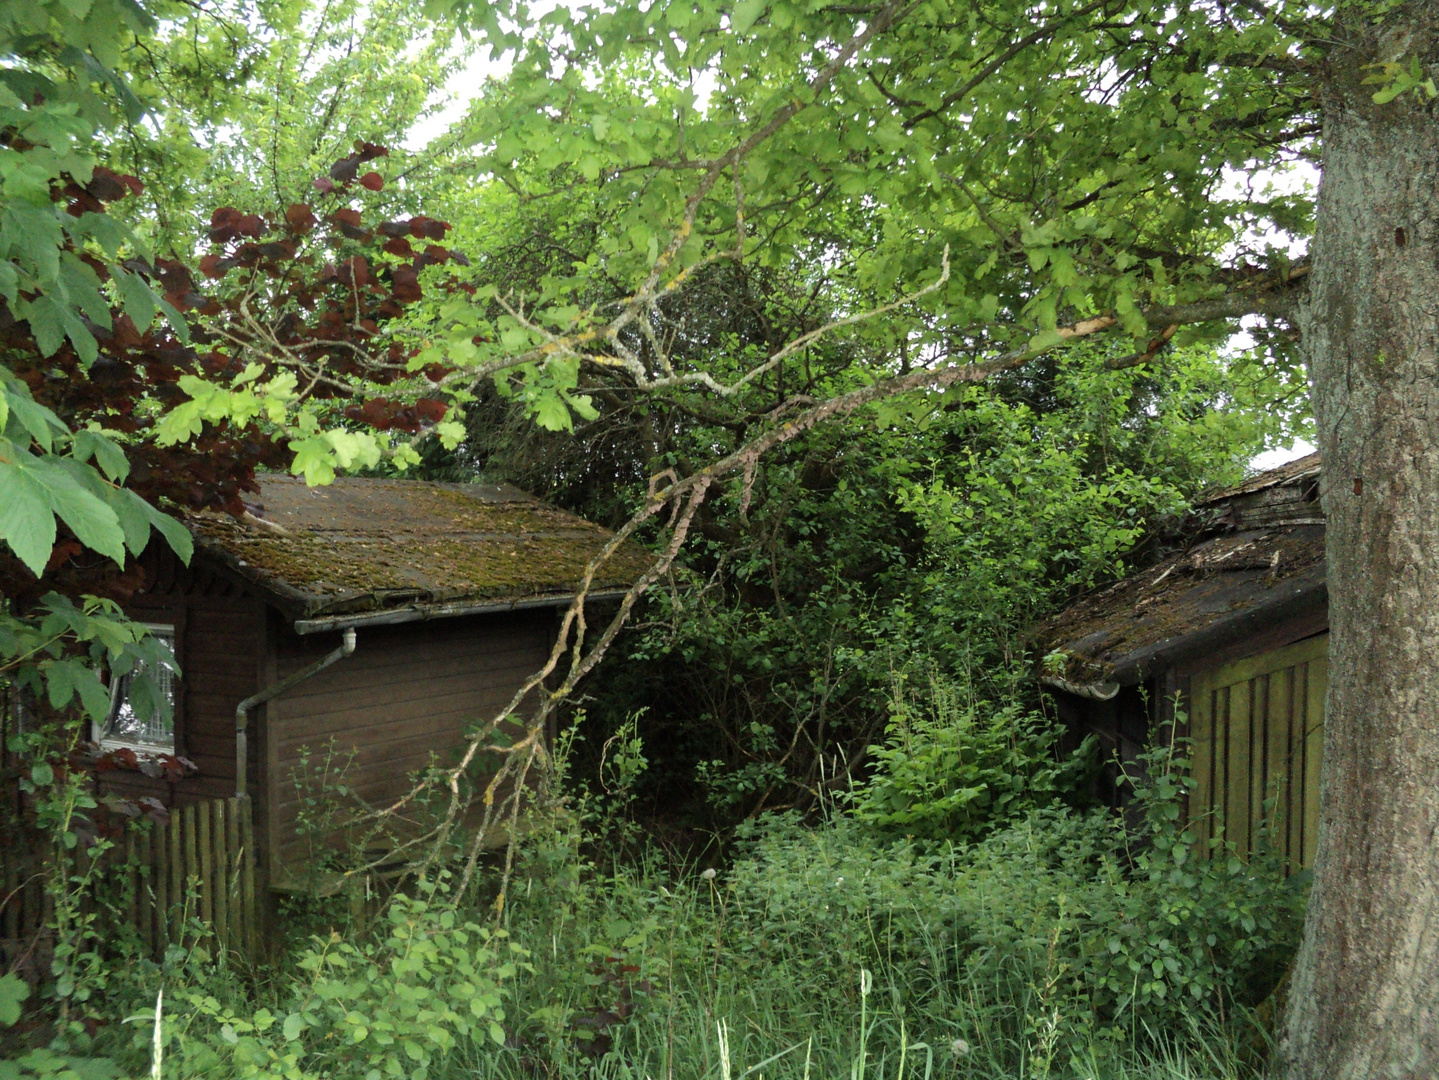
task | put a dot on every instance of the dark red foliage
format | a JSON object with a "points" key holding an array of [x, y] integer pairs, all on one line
{"points": [[323, 285], [300, 218]]}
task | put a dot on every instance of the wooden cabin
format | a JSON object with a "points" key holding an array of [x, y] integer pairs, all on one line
{"points": [[1225, 642], [431, 602]]}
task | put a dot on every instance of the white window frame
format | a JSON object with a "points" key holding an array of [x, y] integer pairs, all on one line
{"points": [[118, 699]]}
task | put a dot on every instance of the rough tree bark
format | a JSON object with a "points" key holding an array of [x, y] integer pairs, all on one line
{"points": [[1364, 1003]]}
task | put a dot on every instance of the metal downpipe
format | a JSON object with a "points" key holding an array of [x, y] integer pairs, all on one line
{"points": [[242, 710]]}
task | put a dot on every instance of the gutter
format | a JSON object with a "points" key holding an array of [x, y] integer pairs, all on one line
{"points": [[1100, 691], [425, 612], [242, 710]]}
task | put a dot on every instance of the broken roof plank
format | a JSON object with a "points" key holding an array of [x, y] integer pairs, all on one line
{"points": [[1260, 560]]}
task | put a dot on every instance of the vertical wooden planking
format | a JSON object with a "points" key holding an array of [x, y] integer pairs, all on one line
{"points": [[160, 881], [1264, 741], [233, 877], [1258, 757], [1219, 767], [221, 879], [203, 868], [1281, 723], [1201, 734], [145, 890], [1234, 795], [176, 856], [129, 873], [191, 868], [247, 888]]}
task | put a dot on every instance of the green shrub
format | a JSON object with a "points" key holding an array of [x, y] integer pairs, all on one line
{"points": [[953, 769]]}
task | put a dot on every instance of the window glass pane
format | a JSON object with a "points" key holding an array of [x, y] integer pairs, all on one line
{"points": [[125, 724]]}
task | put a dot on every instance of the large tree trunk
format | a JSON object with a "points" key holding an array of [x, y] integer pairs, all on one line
{"points": [[1364, 1003]]}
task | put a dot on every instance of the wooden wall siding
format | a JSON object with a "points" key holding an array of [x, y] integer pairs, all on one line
{"points": [[1257, 727], [224, 637], [405, 696]]}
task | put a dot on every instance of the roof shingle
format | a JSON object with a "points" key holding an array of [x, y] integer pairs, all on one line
{"points": [[368, 545]]}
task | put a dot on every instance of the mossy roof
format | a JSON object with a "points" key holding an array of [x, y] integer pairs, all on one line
{"points": [[1233, 582], [367, 545]]}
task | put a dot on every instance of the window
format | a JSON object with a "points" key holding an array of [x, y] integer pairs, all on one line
{"points": [[124, 726]]}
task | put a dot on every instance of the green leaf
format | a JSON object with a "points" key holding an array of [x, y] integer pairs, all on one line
{"points": [[293, 1026], [26, 521], [140, 301], [1045, 339], [552, 414], [174, 532], [134, 522], [746, 14], [13, 991], [95, 525], [40, 422], [175, 319], [107, 455], [314, 459]]}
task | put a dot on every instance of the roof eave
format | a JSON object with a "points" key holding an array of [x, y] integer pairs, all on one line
{"points": [[427, 612], [291, 601], [1290, 599]]}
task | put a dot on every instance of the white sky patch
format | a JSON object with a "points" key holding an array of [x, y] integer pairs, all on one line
{"points": [[464, 87], [1272, 459], [1297, 178], [456, 96]]}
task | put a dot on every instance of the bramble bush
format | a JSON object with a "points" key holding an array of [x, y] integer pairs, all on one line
{"points": [[397, 1005]]}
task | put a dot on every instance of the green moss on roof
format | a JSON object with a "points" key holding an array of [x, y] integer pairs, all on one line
{"points": [[364, 544]]}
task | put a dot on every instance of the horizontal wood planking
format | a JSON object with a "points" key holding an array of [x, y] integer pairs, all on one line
{"points": [[481, 695], [376, 660], [404, 698]]}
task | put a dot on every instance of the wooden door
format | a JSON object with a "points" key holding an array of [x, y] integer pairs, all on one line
{"points": [[1257, 727]]}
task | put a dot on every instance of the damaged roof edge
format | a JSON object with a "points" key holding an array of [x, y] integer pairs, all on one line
{"points": [[1299, 595], [1302, 468], [1100, 691]]}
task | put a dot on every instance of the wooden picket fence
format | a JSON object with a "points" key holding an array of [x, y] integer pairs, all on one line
{"points": [[188, 881], [198, 867]]}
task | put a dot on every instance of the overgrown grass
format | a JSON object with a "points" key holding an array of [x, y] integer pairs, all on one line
{"points": [[777, 969], [1059, 945], [820, 952]]}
